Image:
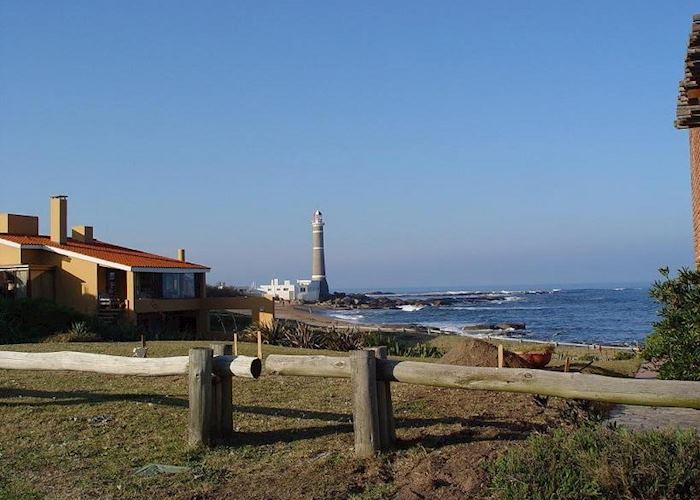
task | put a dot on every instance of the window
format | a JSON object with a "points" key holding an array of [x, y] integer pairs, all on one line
{"points": [[166, 285], [13, 283]]}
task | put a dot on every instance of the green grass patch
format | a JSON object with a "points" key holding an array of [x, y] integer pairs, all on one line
{"points": [[598, 462]]}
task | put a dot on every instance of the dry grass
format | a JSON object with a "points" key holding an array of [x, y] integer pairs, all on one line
{"points": [[80, 435], [580, 357]]}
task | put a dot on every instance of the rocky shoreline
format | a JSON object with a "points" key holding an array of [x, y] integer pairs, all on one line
{"points": [[383, 300]]}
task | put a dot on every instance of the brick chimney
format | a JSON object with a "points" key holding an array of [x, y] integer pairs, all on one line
{"points": [[59, 218], [83, 234], [181, 254]]}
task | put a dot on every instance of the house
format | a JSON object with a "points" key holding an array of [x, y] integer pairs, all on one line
{"points": [[111, 281], [285, 290]]}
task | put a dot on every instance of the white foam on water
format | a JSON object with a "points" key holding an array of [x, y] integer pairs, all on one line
{"points": [[411, 307], [486, 308], [347, 317]]}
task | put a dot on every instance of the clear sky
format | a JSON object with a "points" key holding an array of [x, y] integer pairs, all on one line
{"points": [[447, 143]]}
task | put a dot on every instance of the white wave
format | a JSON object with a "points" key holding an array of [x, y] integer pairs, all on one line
{"points": [[555, 290], [411, 307], [486, 308], [619, 289], [348, 317]]}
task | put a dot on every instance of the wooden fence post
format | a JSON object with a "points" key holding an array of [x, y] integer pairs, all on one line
{"points": [[385, 408], [200, 366], [500, 355], [224, 395], [363, 376]]}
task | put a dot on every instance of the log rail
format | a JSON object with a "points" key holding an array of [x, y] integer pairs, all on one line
{"points": [[371, 376], [565, 385], [238, 366], [210, 379]]}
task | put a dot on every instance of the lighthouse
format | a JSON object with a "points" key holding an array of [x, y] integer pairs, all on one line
{"points": [[318, 260]]}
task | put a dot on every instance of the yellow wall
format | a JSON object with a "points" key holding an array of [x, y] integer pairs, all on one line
{"points": [[42, 283], [76, 279], [9, 255]]}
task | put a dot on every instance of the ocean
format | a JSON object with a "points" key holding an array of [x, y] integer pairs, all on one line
{"points": [[609, 316]]}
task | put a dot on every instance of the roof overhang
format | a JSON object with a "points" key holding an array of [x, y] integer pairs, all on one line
{"points": [[106, 263]]}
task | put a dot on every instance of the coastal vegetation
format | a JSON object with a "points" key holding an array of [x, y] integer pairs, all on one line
{"points": [[595, 461], [290, 333], [41, 320], [675, 341]]}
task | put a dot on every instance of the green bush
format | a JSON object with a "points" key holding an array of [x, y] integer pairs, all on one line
{"points": [[36, 320], [598, 462], [31, 320], [78, 332], [675, 340], [624, 355], [396, 348]]}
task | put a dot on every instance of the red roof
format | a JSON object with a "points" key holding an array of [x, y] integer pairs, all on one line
{"points": [[103, 251]]}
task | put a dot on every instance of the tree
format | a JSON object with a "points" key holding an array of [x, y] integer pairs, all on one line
{"points": [[675, 340]]}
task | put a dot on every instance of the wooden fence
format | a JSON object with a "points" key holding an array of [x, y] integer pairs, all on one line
{"points": [[210, 373], [211, 370], [371, 374]]}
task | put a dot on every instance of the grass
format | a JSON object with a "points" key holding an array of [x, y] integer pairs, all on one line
{"points": [[605, 362], [597, 462], [82, 435]]}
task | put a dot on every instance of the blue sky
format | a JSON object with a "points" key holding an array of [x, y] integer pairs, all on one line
{"points": [[447, 143]]}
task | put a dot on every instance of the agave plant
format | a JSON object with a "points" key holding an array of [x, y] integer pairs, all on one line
{"points": [[80, 332], [273, 334], [302, 335], [345, 340]]}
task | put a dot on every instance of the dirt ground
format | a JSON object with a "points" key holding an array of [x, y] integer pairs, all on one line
{"points": [[79, 435]]}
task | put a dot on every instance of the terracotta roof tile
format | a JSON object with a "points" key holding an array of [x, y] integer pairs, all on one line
{"points": [[105, 251]]}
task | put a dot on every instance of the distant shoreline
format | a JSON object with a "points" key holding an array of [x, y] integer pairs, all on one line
{"points": [[311, 315]]}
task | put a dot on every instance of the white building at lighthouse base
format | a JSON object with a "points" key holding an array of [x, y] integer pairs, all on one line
{"points": [[303, 290]]}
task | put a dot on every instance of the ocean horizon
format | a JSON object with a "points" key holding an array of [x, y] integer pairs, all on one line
{"points": [[601, 313]]}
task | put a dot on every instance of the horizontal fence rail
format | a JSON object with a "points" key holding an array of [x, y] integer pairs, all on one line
{"points": [[238, 366], [565, 385]]}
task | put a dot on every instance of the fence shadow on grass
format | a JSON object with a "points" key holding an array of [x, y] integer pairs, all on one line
{"points": [[71, 398], [477, 428]]}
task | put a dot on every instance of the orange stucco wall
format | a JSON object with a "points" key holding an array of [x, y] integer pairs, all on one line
{"points": [[75, 279], [9, 255]]}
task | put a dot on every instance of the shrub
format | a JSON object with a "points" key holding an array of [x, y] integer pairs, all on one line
{"points": [[78, 332], [675, 339], [599, 462], [303, 336], [272, 334], [348, 339], [31, 320], [396, 348], [624, 355]]}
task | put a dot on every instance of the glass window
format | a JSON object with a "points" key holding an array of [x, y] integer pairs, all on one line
{"points": [[188, 288], [149, 285], [166, 286], [172, 288], [13, 283]]}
